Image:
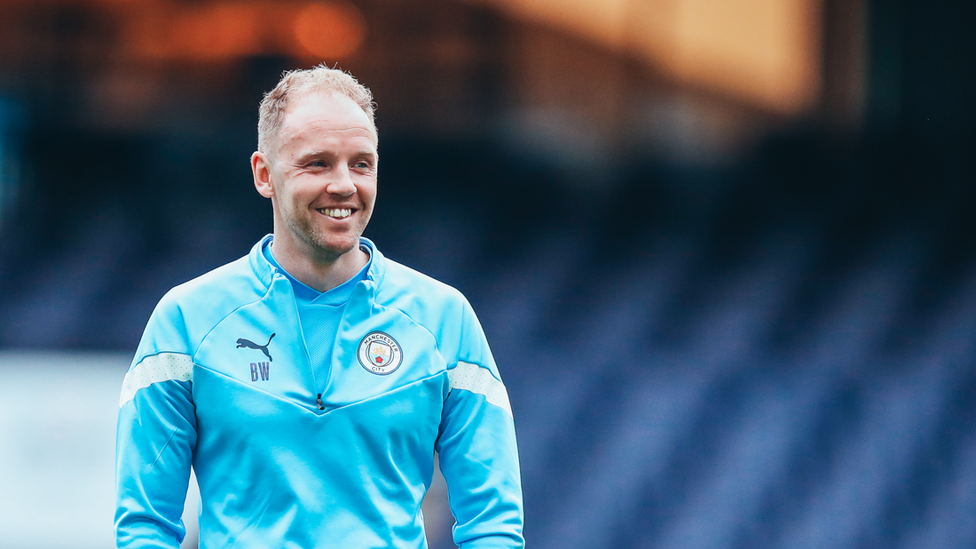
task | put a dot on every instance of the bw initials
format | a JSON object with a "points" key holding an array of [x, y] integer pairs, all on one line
{"points": [[260, 370]]}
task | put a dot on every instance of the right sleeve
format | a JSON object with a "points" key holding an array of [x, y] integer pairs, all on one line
{"points": [[156, 436]]}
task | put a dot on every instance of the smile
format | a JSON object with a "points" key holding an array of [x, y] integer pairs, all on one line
{"points": [[336, 213]]}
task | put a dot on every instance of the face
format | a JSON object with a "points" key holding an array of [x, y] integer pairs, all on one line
{"points": [[321, 178]]}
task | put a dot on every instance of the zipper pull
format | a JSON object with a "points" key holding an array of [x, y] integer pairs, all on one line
{"points": [[318, 402]]}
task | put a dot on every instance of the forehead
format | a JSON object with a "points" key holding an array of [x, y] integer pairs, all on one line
{"points": [[325, 112]]}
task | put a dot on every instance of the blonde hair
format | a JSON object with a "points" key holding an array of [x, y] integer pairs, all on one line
{"points": [[296, 84]]}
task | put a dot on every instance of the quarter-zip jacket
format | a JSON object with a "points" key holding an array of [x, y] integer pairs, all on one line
{"points": [[222, 381]]}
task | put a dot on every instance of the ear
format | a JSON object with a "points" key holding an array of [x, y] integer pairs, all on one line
{"points": [[261, 169]]}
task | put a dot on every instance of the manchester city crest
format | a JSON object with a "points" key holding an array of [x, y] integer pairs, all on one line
{"points": [[379, 353]]}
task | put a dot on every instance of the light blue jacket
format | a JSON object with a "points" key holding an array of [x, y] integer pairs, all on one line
{"points": [[222, 381]]}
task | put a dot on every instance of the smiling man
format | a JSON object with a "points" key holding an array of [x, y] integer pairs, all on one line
{"points": [[310, 383]]}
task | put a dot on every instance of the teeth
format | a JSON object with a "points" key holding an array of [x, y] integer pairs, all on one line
{"points": [[337, 213]]}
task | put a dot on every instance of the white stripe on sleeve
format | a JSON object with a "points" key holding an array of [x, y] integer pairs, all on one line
{"points": [[476, 379], [156, 369]]}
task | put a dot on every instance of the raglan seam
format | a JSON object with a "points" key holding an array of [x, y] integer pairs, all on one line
{"points": [[437, 342], [199, 344]]}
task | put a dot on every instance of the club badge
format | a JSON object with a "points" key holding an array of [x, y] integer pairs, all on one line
{"points": [[379, 353]]}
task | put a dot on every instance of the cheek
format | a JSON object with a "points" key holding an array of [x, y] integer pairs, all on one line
{"points": [[296, 190], [369, 193]]}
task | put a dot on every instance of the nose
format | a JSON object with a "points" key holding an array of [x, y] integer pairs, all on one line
{"points": [[341, 182]]}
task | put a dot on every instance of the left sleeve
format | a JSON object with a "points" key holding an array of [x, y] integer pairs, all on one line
{"points": [[478, 454]]}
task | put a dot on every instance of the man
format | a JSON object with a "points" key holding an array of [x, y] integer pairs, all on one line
{"points": [[310, 383]]}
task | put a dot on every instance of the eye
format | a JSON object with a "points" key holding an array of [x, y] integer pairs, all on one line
{"points": [[316, 164]]}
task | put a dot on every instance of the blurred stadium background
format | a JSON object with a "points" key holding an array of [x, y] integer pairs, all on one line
{"points": [[724, 250]]}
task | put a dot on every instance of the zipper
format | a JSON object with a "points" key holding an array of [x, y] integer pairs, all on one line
{"points": [[308, 359]]}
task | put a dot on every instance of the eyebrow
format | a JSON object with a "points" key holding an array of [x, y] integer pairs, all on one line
{"points": [[313, 154], [364, 153]]}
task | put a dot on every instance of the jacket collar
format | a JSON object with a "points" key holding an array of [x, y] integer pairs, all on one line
{"points": [[266, 272]]}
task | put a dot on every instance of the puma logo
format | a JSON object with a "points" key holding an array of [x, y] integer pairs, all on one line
{"points": [[241, 342]]}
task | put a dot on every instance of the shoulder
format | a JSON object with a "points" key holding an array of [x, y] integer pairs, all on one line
{"points": [[232, 282], [403, 286], [196, 306], [442, 310], [438, 307]]}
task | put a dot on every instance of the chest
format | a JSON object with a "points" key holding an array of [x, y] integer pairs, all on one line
{"points": [[264, 348]]}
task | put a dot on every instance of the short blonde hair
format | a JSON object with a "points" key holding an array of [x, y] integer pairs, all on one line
{"points": [[299, 83]]}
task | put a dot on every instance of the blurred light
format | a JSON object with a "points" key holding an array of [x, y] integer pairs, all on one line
{"points": [[330, 29], [765, 52], [218, 31], [761, 50], [215, 31]]}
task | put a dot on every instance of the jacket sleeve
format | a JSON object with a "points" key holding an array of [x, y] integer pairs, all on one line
{"points": [[478, 453], [155, 437]]}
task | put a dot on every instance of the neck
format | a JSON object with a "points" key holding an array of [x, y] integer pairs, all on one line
{"points": [[320, 273]]}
